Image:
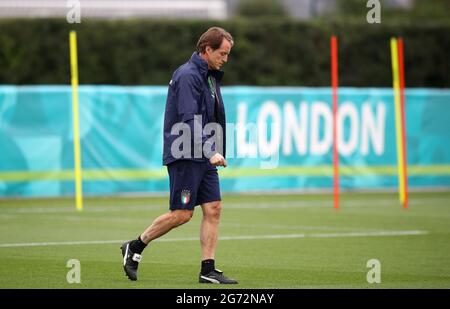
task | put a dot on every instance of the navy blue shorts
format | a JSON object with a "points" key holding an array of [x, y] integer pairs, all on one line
{"points": [[192, 183]]}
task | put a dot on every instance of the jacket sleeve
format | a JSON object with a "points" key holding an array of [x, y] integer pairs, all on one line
{"points": [[188, 100], [188, 97]]}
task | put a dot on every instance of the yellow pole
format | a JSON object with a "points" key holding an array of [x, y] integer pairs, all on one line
{"points": [[398, 121], [76, 129]]}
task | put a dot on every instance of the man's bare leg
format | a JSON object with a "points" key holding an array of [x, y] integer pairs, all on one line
{"points": [[165, 223], [209, 229], [209, 232], [131, 250]]}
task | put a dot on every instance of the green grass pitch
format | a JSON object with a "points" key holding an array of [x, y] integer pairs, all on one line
{"points": [[267, 241]]}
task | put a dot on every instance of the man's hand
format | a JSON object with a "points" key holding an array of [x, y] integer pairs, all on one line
{"points": [[218, 160]]}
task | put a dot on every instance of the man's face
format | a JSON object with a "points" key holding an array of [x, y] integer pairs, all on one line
{"points": [[216, 58]]}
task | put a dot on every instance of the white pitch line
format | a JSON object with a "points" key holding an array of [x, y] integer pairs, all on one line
{"points": [[245, 237], [369, 234]]}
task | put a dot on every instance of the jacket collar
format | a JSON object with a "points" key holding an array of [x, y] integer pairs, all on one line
{"points": [[202, 66]]}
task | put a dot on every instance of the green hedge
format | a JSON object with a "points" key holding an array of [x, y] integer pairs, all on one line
{"points": [[267, 52]]}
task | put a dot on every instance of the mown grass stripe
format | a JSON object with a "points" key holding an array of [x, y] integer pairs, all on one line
{"points": [[236, 172]]}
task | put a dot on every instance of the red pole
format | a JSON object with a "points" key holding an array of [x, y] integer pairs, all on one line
{"points": [[403, 124], [334, 84]]}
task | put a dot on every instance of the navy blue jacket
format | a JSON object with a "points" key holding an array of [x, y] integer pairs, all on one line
{"points": [[189, 95]]}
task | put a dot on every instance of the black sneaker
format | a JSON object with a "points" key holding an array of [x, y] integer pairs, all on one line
{"points": [[216, 276], [130, 261]]}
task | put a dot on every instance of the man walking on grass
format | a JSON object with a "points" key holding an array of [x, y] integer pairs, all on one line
{"points": [[194, 101]]}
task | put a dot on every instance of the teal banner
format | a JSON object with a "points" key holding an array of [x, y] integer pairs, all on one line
{"points": [[278, 138]]}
